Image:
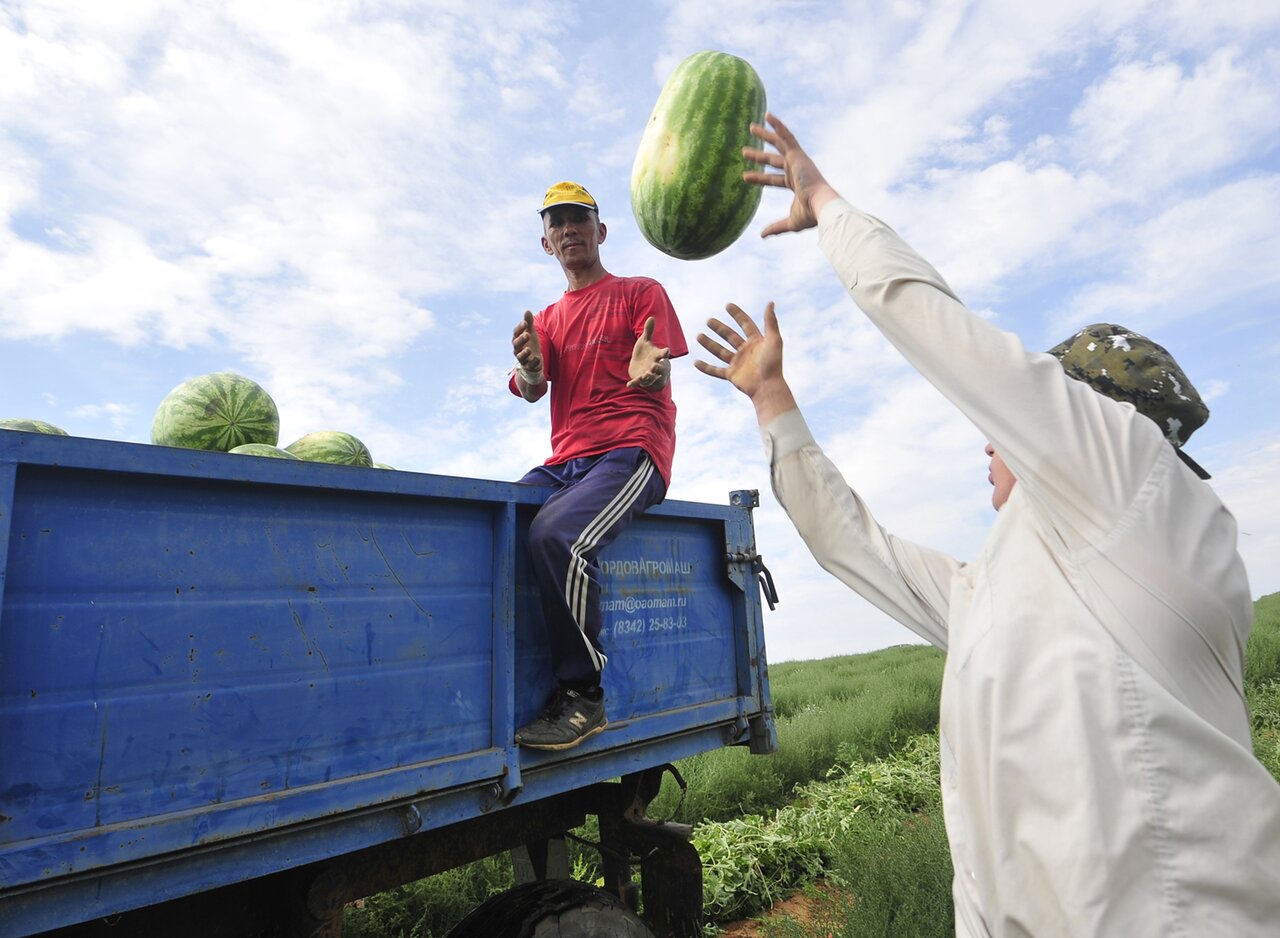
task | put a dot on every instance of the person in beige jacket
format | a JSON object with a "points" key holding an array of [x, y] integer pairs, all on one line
{"points": [[1098, 777]]}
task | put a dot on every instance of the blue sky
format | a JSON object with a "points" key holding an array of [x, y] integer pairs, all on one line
{"points": [[338, 200]]}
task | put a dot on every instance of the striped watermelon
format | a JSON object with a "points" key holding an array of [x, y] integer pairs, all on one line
{"points": [[31, 426], [687, 192], [217, 411], [333, 446], [261, 449]]}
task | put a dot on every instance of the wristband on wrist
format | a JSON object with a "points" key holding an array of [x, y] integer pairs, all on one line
{"points": [[530, 378]]}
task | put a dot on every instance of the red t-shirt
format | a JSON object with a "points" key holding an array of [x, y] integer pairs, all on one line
{"points": [[587, 337]]}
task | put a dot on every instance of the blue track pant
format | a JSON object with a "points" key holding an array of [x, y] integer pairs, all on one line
{"points": [[598, 497]]}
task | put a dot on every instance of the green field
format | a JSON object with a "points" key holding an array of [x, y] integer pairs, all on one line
{"points": [[850, 800]]}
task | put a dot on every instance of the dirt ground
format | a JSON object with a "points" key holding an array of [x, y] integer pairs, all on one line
{"points": [[799, 908]]}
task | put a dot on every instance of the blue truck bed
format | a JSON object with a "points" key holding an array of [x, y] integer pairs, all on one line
{"points": [[217, 667]]}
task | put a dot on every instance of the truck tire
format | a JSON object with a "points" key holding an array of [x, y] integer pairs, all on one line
{"points": [[552, 908]]}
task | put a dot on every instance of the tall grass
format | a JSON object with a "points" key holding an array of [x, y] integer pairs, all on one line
{"points": [[848, 707], [847, 829], [1262, 681]]}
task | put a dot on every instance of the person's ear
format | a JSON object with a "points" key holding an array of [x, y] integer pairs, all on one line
{"points": [[546, 245], [603, 231]]}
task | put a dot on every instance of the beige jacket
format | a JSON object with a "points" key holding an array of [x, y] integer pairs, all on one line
{"points": [[1097, 771]]}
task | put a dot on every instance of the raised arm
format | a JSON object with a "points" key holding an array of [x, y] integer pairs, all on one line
{"points": [[906, 581], [1049, 429]]}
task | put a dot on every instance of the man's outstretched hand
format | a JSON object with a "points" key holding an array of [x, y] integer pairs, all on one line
{"points": [[650, 367], [753, 361], [799, 174]]}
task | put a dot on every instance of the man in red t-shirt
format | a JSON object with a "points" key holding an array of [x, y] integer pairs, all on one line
{"points": [[604, 349]]}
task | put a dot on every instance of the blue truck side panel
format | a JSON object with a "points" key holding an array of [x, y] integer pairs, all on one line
{"points": [[214, 667]]}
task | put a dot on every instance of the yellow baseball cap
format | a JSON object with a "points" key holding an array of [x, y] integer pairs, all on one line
{"points": [[568, 193]]}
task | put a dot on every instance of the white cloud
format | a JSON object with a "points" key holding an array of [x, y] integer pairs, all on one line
{"points": [[1202, 27], [980, 146], [1248, 488], [1194, 258], [117, 286], [1153, 124], [1213, 390], [117, 415], [981, 226]]}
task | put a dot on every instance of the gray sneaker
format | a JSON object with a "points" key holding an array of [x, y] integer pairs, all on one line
{"points": [[569, 718]]}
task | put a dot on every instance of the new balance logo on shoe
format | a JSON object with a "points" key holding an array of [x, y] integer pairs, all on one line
{"points": [[568, 718]]}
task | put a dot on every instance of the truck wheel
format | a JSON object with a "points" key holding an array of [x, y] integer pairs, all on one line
{"points": [[552, 908]]}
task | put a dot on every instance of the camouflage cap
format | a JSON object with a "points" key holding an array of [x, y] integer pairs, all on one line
{"points": [[1127, 366]]}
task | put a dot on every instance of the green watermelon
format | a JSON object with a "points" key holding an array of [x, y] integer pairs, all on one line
{"points": [[31, 426], [218, 412], [262, 449], [687, 192], [382, 465], [333, 446]]}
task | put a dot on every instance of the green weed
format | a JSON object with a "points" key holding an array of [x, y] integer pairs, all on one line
{"points": [[750, 862]]}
